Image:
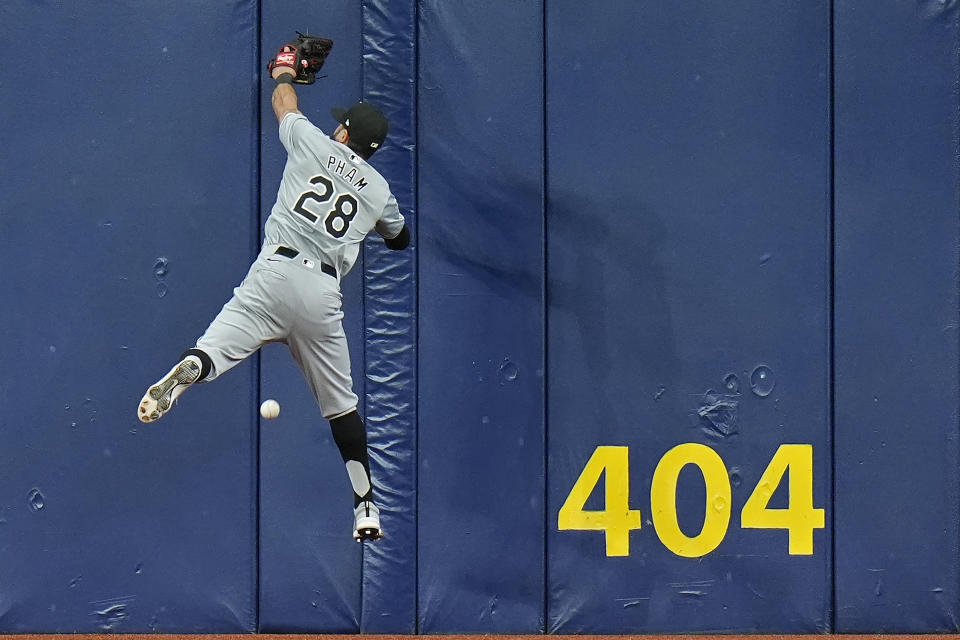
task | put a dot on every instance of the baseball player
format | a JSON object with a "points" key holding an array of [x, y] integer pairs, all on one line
{"points": [[329, 199]]}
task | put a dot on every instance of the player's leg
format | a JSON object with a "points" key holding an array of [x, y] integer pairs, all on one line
{"points": [[325, 363], [319, 347], [248, 320], [350, 434]]}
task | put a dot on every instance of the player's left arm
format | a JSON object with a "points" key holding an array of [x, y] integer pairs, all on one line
{"points": [[283, 69], [284, 98], [284, 101]]}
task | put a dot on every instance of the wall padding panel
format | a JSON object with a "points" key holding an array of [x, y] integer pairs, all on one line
{"points": [[390, 292], [688, 288], [897, 197], [481, 322], [310, 566], [125, 220]]}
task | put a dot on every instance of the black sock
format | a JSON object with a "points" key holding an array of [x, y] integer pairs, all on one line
{"points": [[351, 438]]}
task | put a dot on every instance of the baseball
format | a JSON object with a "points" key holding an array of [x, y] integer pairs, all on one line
{"points": [[270, 409]]}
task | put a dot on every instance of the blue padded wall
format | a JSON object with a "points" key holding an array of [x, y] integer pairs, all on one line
{"points": [[389, 566], [897, 197], [310, 567], [481, 330], [687, 245], [112, 181], [644, 225]]}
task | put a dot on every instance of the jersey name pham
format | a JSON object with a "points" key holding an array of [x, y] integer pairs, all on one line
{"points": [[339, 167]]}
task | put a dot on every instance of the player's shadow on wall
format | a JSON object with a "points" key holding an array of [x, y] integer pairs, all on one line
{"points": [[606, 294], [605, 288]]}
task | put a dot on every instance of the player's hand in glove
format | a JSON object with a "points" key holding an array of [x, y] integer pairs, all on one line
{"points": [[287, 61], [304, 56]]}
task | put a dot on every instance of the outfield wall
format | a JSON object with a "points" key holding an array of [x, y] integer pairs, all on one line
{"points": [[674, 349]]}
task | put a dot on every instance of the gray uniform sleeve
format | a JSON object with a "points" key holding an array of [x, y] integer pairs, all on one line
{"points": [[391, 220], [292, 129]]}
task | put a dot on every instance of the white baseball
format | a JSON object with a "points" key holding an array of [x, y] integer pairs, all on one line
{"points": [[270, 409]]}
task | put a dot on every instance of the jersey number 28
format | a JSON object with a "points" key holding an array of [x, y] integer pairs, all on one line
{"points": [[339, 218]]}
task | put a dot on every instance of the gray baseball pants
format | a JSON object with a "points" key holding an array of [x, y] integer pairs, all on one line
{"points": [[287, 300]]}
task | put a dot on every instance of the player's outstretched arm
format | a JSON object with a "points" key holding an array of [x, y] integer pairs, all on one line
{"points": [[284, 98], [283, 69]]}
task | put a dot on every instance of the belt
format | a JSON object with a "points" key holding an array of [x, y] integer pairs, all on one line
{"points": [[287, 252]]}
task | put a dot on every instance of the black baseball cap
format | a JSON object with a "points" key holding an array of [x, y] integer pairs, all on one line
{"points": [[365, 123]]}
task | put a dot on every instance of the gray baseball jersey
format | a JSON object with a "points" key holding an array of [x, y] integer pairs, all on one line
{"points": [[329, 200]]}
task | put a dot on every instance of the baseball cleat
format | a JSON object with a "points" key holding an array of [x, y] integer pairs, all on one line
{"points": [[366, 522], [159, 398]]}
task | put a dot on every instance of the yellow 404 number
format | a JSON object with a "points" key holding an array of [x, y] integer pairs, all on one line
{"points": [[617, 519]]}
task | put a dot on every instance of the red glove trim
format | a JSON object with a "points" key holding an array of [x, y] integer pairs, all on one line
{"points": [[286, 59]]}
